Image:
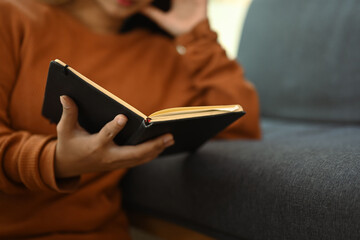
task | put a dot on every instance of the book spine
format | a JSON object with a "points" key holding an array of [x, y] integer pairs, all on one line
{"points": [[135, 137]]}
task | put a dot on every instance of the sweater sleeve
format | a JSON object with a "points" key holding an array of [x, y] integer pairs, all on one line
{"points": [[218, 80], [26, 159]]}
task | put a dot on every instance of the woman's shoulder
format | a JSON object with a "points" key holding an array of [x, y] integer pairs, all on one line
{"points": [[19, 6], [22, 10]]}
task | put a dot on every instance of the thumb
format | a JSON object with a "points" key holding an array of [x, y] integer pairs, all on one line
{"points": [[111, 129], [69, 117], [155, 14]]}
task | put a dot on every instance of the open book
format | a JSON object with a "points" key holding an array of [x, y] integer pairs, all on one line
{"points": [[190, 126]]}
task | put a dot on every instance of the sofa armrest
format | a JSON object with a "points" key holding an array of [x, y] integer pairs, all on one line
{"points": [[300, 182]]}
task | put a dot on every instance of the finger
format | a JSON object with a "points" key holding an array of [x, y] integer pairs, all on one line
{"points": [[111, 129], [69, 117], [155, 146], [155, 14], [144, 152]]}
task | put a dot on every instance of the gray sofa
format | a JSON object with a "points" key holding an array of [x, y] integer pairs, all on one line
{"points": [[302, 180]]}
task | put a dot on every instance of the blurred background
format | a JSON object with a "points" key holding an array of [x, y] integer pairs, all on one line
{"points": [[226, 18]]}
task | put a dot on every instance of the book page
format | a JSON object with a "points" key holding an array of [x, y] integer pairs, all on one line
{"points": [[189, 112]]}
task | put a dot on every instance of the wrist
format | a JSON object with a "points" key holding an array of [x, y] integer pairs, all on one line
{"points": [[63, 167]]}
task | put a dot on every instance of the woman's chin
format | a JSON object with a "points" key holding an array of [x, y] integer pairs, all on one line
{"points": [[121, 13], [123, 8]]}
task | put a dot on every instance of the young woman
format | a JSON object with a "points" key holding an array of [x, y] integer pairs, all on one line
{"points": [[60, 182]]}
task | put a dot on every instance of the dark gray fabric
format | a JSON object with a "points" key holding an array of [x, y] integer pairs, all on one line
{"points": [[302, 181], [304, 58]]}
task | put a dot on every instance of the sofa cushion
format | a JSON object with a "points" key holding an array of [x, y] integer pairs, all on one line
{"points": [[301, 181], [303, 57]]}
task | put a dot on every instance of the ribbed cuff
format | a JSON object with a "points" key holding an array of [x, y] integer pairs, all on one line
{"points": [[47, 171], [28, 164], [36, 166]]}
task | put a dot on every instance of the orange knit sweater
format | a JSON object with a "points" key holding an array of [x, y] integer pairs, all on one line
{"points": [[142, 68]]}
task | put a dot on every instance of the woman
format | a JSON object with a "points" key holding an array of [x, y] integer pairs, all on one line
{"points": [[61, 182]]}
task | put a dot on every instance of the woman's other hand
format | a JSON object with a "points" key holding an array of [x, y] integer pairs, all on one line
{"points": [[78, 152], [183, 16]]}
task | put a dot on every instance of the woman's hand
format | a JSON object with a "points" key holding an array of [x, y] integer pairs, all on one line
{"points": [[183, 16], [79, 152]]}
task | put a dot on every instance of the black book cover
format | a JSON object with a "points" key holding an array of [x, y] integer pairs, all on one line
{"points": [[97, 107]]}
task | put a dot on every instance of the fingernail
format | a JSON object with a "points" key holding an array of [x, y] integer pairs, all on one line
{"points": [[64, 102], [121, 120], [168, 140]]}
